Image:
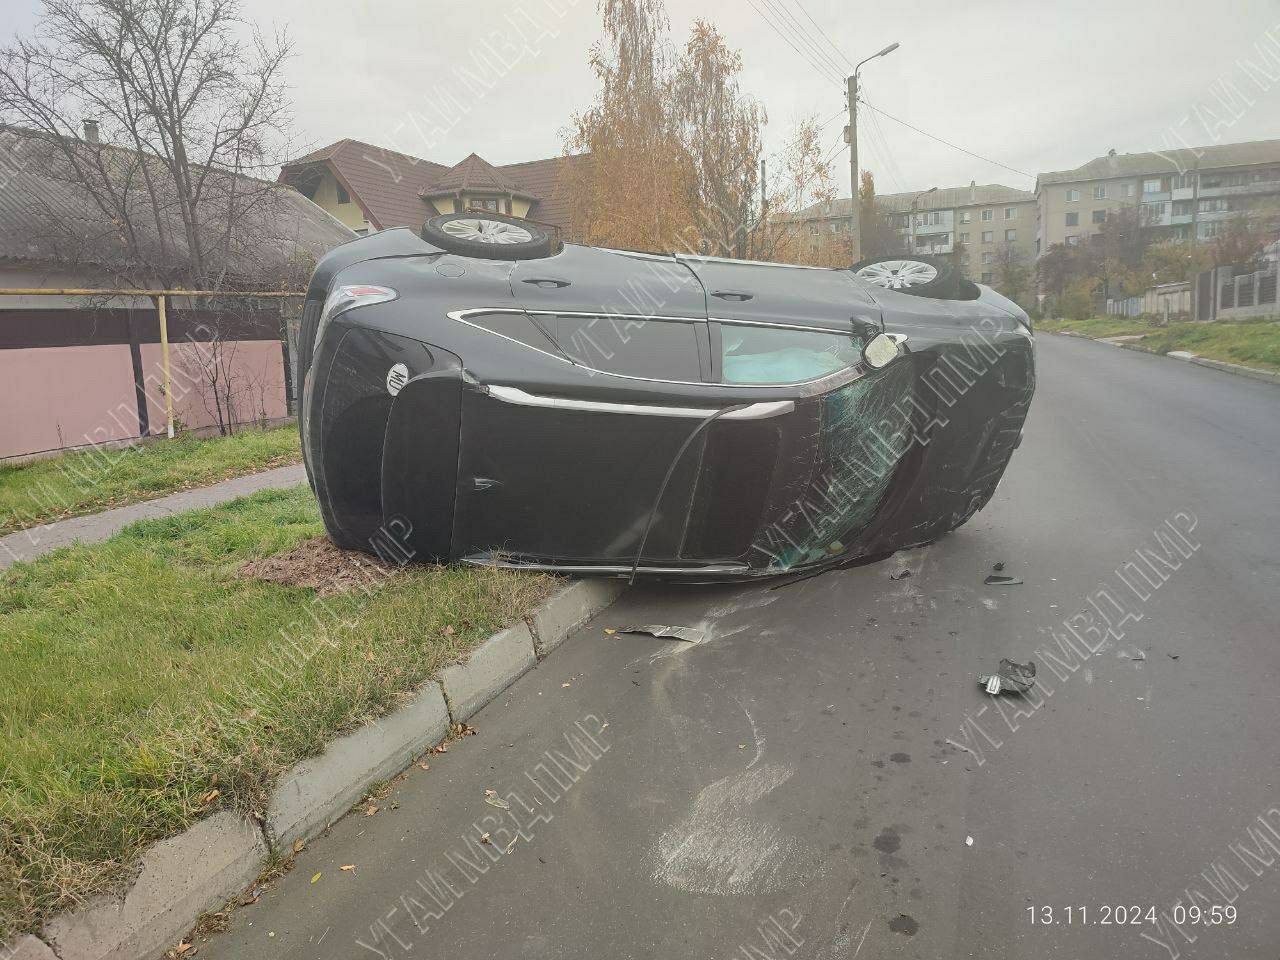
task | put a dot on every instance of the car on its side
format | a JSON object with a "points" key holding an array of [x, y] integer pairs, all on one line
{"points": [[483, 393]]}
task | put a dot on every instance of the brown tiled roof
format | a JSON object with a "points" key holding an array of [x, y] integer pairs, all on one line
{"points": [[387, 184], [475, 173], [390, 186]]}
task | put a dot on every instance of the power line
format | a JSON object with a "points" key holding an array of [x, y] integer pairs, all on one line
{"points": [[948, 143], [822, 33], [797, 30], [824, 71]]}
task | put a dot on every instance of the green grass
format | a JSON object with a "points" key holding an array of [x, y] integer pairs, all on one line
{"points": [[88, 481], [1253, 343], [141, 674]]}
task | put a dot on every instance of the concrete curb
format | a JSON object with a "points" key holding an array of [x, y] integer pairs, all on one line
{"points": [[201, 868], [320, 790], [180, 878]]}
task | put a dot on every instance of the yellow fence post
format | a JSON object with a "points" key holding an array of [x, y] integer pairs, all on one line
{"points": [[164, 362]]}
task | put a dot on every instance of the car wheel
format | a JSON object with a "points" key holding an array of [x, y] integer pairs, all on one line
{"points": [[918, 276], [491, 236]]}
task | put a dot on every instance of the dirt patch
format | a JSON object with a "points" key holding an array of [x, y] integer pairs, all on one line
{"points": [[320, 566]]}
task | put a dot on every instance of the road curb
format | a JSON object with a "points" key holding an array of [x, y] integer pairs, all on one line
{"points": [[569, 609], [216, 858], [180, 878], [321, 789], [1239, 369]]}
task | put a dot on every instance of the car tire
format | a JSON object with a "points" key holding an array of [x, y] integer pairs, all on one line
{"points": [[918, 276], [489, 236]]}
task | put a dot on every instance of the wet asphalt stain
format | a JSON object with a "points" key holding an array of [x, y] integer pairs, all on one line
{"points": [[887, 842], [904, 924], [900, 757]]}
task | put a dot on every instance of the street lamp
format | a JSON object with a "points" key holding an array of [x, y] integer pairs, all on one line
{"points": [[914, 201], [853, 150]]}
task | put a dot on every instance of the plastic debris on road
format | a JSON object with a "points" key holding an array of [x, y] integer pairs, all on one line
{"points": [[994, 579], [1012, 678], [687, 634]]}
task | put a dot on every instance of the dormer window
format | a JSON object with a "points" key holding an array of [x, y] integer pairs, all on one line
{"points": [[492, 204]]}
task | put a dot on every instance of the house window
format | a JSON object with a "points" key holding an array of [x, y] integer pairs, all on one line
{"points": [[484, 203], [1129, 190], [343, 196], [1099, 191], [1010, 213], [1073, 195], [1151, 186], [962, 237], [986, 277], [1073, 219], [1181, 181], [966, 216], [988, 215], [1010, 235], [988, 258], [1218, 205], [1073, 240], [988, 236], [1099, 216]]}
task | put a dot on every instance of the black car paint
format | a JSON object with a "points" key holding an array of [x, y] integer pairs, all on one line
{"points": [[460, 474]]}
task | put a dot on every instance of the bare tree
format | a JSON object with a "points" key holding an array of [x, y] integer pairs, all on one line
{"points": [[182, 113], [1013, 274]]}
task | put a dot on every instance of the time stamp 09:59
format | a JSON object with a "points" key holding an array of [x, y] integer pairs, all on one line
{"points": [[1128, 915]]}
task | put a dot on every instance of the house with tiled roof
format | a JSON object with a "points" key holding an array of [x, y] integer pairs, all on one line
{"points": [[372, 188]]}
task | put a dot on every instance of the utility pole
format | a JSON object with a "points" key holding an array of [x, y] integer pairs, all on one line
{"points": [[855, 237], [852, 92]]}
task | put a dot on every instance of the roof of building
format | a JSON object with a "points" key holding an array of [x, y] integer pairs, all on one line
{"points": [[390, 186], [945, 198], [475, 173], [1169, 161], [47, 215]]}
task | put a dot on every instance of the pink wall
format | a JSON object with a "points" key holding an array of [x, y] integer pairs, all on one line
{"points": [[254, 375], [52, 397]]}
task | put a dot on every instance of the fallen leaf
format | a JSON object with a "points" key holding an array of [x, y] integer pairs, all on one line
{"points": [[610, 630], [368, 655], [448, 631], [484, 838], [317, 876], [182, 947], [424, 765], [496, 801], [370, 811], [564, 685], [298, 845], [347, 867], [211, 796]]}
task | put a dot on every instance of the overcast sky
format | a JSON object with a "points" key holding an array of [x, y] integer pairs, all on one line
{"points": [[1033, 85]]}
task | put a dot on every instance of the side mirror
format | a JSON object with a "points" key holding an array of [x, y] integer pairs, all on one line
{"points": [[880, 351]]}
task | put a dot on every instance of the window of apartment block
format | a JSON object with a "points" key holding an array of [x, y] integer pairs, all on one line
{"points": [[343, 196], [1129, 190], [988, 257], [1100, 191], [1073, 195], [986, 277], [1099, 216], [1010, 213], [1073, 219], [813, 228], [988, 236], [1011, 235], [1151, 186], [1181, 181], [1073, 240], [1215, 205], [966, 216], [1182, 208], [962, 237], [988, 215]]}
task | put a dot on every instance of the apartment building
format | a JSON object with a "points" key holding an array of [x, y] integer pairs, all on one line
{"points": [[985, 224], [1187, 194]]}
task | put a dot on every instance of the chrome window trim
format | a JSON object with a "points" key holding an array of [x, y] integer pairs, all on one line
{"points": [[847, 373], [757, 411]]}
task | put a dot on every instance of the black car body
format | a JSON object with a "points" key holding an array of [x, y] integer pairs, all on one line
{"points": [[613, 412]]}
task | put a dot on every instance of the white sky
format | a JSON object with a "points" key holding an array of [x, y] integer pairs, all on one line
{"points": [[1037, 85]]}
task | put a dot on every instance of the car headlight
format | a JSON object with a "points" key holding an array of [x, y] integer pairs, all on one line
{"points": [[348, 297]]}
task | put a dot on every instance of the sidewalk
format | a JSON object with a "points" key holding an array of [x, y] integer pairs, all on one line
{"points": [[91, 528]]}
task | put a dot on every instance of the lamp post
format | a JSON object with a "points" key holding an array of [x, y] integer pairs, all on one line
{"points": [[855, 237], [914, 201]]}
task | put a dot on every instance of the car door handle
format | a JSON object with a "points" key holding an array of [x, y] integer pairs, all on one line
{"points": [[734, 295], [547, 283]]}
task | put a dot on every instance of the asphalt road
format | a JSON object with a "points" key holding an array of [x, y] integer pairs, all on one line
{"points": [[793, 787]]}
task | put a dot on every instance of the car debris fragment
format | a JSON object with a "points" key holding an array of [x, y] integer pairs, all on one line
{"points": [[687, 634], [900, 575], [1012, 677], [995, 580]]}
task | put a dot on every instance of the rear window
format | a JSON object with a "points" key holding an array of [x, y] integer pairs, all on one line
{"points": [[776, 355], [630, 346]]}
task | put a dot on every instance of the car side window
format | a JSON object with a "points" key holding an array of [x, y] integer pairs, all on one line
{"points": [[776, 355], [630, 346]]}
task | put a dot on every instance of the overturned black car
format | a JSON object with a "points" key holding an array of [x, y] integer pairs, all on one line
{"points": [[482, 393]]}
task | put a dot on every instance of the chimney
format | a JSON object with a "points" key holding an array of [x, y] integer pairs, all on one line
{"points": [[91, 131], [973, 191], [1111, 152]]}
